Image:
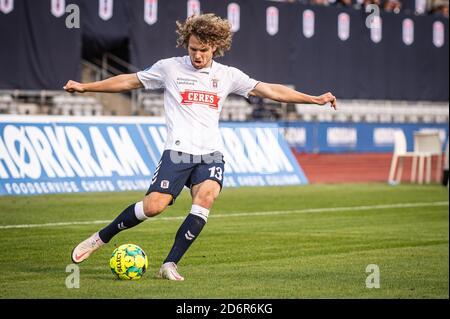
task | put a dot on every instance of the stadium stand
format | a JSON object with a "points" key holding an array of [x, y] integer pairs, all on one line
{"points": [[33, 102], [383, 111], [76, 105], [152, 103], [235, 109]]}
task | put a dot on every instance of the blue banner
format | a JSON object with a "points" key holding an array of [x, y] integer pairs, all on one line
{"points": [[44, 155], [326, 137]]}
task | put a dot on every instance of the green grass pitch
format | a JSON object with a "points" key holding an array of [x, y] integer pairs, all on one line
{"points": [[277, 242]]}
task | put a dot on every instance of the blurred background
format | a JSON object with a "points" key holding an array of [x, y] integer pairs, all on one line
{"points": [[386, 61]]}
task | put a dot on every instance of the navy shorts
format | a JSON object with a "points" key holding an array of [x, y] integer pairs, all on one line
{"points": [[177, 169]]}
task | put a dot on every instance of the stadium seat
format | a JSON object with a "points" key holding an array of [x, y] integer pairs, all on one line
{"points": [[27, 108], [64, 104], [398, 156], [7, 104]]}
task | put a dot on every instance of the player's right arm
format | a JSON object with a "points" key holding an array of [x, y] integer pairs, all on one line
{"points": [[119, 83]]}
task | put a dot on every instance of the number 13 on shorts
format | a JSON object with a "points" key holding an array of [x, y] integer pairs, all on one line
{"points": [[216, 171]]}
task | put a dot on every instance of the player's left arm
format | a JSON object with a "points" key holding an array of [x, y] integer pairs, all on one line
{"points": [[282, 93]]}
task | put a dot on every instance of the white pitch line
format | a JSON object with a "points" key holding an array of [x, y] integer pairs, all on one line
{"points": [[267, 213], [55, 224]]}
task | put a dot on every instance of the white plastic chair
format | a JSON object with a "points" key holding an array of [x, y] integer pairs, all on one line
{"points": [[427, 145], [400, 153]]}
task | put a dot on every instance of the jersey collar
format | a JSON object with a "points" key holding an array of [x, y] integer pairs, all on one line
{"points": [[187, 61]]}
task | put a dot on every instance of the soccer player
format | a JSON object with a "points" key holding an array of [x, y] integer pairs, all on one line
{"points": [[195, 88]]}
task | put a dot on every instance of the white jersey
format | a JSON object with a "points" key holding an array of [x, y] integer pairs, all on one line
{"points": [[193, 100]]}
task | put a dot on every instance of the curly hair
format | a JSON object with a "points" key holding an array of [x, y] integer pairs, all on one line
{"points": [[209, 29]]}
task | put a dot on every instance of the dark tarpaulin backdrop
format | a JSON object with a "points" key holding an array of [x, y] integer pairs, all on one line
{"points": [[356, 68], [100, 35], [37, 51], [254, 51], [150, 43], [41, 51]]}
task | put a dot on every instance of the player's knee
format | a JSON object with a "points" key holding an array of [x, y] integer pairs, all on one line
{"points": [[155, 203], [206, 198], [153, 207]]}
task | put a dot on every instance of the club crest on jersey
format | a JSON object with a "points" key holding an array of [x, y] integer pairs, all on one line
{"points": [[190, 97], [164, 184], [215, 83]]}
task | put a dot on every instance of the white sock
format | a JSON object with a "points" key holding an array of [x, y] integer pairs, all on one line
{"points": [[200, 212], [139, 211]]}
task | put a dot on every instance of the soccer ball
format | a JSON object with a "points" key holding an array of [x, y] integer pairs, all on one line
{"points": [[128, 262]]}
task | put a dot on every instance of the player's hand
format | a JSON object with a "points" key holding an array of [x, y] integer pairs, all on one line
{"points": [[328, 97], [72, 86]]}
